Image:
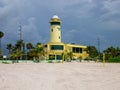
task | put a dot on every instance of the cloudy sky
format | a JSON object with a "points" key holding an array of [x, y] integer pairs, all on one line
{"points": [[83, 21]]}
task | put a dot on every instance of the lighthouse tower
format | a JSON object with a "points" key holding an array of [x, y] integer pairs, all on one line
{"points": [[55, 32]]}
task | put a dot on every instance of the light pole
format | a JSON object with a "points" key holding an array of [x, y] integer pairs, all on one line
{"points": [[98, 39]]}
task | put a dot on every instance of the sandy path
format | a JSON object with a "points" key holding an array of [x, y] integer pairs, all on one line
{"points": [[57, 76]]}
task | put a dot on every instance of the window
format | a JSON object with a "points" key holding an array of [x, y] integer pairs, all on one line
{"points": [[73, 49], [52, 30], [53, 57], [77, 50], [57, 47], [55, 23], [45, 46]]}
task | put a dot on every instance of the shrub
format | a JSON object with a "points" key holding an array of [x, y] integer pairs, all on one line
{"points": [[36, 61], [58, 61], [114, 60], [50, 61], [5, 62]]}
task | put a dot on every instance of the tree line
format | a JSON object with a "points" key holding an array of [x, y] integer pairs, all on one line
{"points": [[22, 50], [110, 52], [25, 51]]}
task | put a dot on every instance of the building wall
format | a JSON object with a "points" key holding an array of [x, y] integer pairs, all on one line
{"points": [[67, 48], [55, 34], [79, 52], [55, 30]]}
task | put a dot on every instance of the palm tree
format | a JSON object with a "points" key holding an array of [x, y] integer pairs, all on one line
{"points": [[69, 56], [111, 52], [1, 35], [16, 55], [92, 51], [39, 51], [29, 46], [118, 51], [9, 47], [32, 54], [19, 45]]}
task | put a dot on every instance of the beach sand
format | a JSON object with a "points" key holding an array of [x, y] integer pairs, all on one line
{"points": [[58, 76]]}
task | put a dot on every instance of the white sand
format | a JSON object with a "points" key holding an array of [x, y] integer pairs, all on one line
{"points": [[58, 76]]}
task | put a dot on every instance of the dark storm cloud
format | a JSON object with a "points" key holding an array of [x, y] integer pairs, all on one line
{"points": [[83, 21]]}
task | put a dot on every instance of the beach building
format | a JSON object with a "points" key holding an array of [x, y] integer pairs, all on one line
{"points": [[55, 49]]}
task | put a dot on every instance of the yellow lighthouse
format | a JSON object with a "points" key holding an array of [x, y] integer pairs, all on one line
{"points": [[55, 31], [55, 48]]}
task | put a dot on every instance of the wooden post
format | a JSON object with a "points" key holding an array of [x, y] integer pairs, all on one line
{"points": [[103, 59], [63, 58]]}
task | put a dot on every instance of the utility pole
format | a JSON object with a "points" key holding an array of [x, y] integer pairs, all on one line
{"points": [[20, 38], [98, 39], [20, 32]]}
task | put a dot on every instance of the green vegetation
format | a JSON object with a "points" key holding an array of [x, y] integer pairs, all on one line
{"points": [[114, 60], [27, 51], [50, 61], [111, 52], [21, 52], [37, 52], [5, 62], [80, 58], [69, 56], [92, 51], [36, 61], [58, 61]]}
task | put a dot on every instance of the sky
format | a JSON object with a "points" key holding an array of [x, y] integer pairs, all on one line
{"points": [[84, 22]]}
